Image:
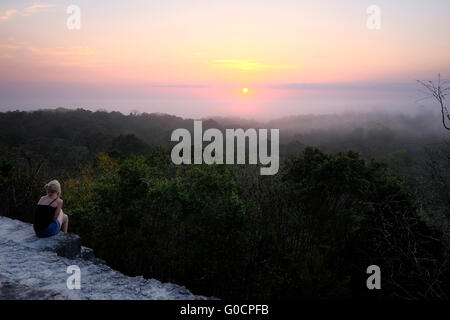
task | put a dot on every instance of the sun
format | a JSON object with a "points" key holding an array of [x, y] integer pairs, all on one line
{"points": [[245, 90]]}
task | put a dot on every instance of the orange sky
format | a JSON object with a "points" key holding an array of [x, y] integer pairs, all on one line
{"points": [[210, 50]]}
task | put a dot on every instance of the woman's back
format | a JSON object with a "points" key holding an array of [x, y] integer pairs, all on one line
{"points": [[44, 213], [49, 218]]}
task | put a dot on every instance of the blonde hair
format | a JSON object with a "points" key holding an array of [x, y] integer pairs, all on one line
{"points": [[53, 187]]}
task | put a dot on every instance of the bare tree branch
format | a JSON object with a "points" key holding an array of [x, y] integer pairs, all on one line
{"points": [[437, 92]]}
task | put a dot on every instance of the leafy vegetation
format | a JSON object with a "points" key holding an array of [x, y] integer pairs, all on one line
{"points": [[308, 232]]}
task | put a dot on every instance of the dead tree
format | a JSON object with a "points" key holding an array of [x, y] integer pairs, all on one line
{"points": [[438, 92]]}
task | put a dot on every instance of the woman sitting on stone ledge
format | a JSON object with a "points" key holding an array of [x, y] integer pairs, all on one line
{"points": [[49, 217]]}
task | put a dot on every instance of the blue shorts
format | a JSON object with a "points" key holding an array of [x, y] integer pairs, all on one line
{"points": [[52, 229]]}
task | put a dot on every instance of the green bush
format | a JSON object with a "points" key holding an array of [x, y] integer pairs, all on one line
{"points": [[309, 232]]}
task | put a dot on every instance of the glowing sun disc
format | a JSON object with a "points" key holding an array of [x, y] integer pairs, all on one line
{"points": [[245, 90]]}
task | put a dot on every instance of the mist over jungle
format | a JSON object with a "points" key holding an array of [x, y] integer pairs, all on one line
{"points": [[352, 190]]}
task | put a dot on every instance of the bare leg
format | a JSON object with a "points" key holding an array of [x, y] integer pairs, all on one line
{"points": [[65, 224], [63, 221]]}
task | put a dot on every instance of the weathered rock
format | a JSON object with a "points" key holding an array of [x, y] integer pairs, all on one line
{"points": [[87, 253], [65, 245], [12, 290], [35, 268]]}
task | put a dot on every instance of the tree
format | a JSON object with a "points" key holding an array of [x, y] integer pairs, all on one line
{"points": [[438, 92]]}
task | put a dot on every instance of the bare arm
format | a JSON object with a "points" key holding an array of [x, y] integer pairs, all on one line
{"points": [[58, 209]]}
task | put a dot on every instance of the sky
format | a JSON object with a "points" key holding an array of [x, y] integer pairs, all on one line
{"points": [[193, 58]]}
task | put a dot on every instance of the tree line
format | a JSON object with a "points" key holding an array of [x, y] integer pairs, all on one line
{"points": [[308, 232]]}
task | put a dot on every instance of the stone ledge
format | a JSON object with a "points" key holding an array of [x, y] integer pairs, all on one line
{"points": [[12, 290], [65, 245], [36, 268]]}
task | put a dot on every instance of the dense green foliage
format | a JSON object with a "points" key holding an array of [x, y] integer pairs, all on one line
{"points": [[308, 232]]}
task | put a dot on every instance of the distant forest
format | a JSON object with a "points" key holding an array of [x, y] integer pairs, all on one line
{"points": [[353, 190]]}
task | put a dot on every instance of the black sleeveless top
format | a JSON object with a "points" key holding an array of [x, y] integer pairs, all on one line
{"points": [[43, 216]]}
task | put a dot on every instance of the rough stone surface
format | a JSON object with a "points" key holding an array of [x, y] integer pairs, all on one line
{"points": [[65, 245], [36, 268], [12, 290]]}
